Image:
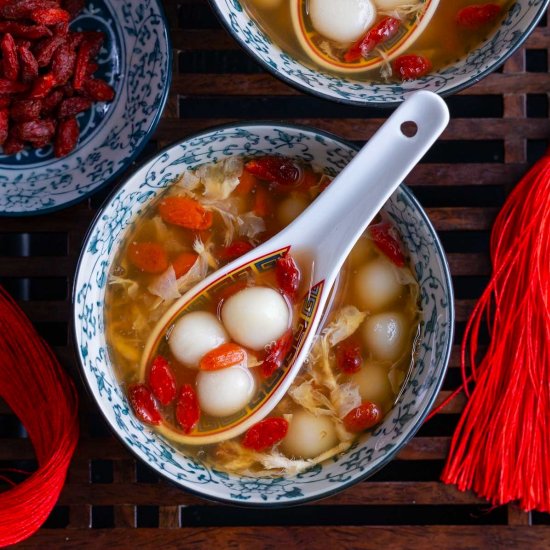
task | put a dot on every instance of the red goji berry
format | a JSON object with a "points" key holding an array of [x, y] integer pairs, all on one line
{"points": [[51, 101], [278, 170], [98, 90], [162, 380], [363, 417], [29, 65], [22, 9], [235, 250], [12, 145], [4, 124], [224, 356], [72, 106], [385, 29], [10, 61], [95, 40], [92, 68], [478, 15], [74, 7], [74, 39], [276, 354], [187, 408], [287, 275], [63, 63], [49, 16], [82, 59], [30, 32], [34, 130], [43, 85], [348, 356], [380, 233], [144, 404], [23, 110], [412, 66], [44, 50], [11, 87], [265, 434], [5, 101], [66, 137]]}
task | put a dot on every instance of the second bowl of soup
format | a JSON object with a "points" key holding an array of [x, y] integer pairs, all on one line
{"points": [[372, 374]]}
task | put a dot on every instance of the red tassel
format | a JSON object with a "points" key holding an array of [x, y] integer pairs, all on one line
{"points": [[501, 447], [36, 388]]}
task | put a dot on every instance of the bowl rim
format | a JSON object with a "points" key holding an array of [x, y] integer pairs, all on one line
{"points": [[471, 81], [341, 487], [128, 161]]}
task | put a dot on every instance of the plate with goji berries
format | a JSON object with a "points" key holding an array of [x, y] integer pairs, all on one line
{"points": [[82, 87]]}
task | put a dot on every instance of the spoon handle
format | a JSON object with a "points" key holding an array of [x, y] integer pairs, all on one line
{"points": [[332, 224]]}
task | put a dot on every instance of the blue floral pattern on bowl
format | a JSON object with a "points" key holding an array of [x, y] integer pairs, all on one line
{"points": [[136, 60], [366, 456], [518, 23]]}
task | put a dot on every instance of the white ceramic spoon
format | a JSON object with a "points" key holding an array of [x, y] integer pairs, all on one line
{"points": [[327, 230]]}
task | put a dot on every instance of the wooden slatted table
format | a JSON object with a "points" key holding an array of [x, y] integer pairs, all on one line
{"points": [[498, 128]]}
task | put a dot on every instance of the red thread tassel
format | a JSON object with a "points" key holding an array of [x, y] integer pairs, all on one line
{"points": [[36, 388], [501, 447]]}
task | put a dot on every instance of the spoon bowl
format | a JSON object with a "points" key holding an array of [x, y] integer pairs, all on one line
{"points": [[326, 231]]}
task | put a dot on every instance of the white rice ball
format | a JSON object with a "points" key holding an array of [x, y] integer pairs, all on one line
{"points": [[376, 285], [385, 335], [374, 384]]}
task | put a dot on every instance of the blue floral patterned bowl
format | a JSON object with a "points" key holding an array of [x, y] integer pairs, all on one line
{"points": [[519, 22], [367, 455], [136, 61]]}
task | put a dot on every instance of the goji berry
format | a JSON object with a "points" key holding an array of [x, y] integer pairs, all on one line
{"points": [[247, 182], [348, 356], [34, 130], [10, 60], [412, 66], [149, 257], [72, 106], [162, 380], [66, 137], [43, 85], [185, 212], [23, 110], [385, 29], [49, 16], [21, 9], [276, 354], [183, 263], [92, 68], [11, 87], [287, 275], [63, 63], [28, 64], [12, 145], [380, 233], [265, 434], [222, 357], [363, 417], [5, 101], [235, 250], [74, 39], [31, 32], [95, 40], [278, 170], [187, 408], [4, 124], [73, 6], [82, 59], [478, 15], [51, 101], [44, 50], [98, 90], [144, 404]]}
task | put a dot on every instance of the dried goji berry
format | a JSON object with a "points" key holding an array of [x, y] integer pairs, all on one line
{"points": [[5, 101], [235, 250], [81, 66], [385, 29], [4, 124], [276, 354], [144, 404], [348, 356], [95, 40], [265, 434], [380, 233], [98, 90], [31, 32], [92, 68], [34, 130], [66, 137], [43, 85], [12, 146], [247, 182], [412, 66], [10, 60], [73, 6], [72, 106], [363, 417], [162, 380], [287, 275], [278, 170], [74, 39], [149, 257], [222, 357], [21, 9], [44, 50], [11, 87], [63, 63], [183, 263], [51, 101], [29, 65], [185, 212], [478, 15], [49, 16], [187, 408], [23, 110]]}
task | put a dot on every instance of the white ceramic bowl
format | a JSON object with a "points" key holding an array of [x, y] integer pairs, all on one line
{"points": [[518, 23], [366, 456]]}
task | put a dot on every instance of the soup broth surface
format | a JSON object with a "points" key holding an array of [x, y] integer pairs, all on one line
{"points": [[360, 359]]}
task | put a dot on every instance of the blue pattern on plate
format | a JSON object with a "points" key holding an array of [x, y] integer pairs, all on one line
{"points": [[366, 456], [136, 61]]}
